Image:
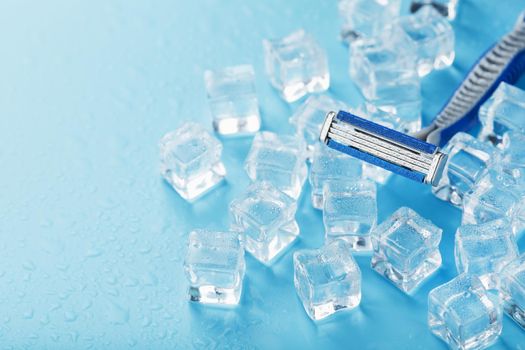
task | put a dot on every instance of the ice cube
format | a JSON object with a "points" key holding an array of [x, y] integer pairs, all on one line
{"points": [[512, 290], [279, 159], [309, 117], [215, 267], [232, 100], [467, 160], [384, 68], [350, 212], [191, 161], [433, 36], [408, 121], [502, 112], [327, 280], [483, 250], [366, 18], [513, 158], [266, 217], [330, 165], [447, 8], [406, 249], [495, 196], [463, 314], [296, 65]]}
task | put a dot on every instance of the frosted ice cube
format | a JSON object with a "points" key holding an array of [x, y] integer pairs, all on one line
{"points": [[483, 250], [502, 112], [433, 36], [495, 196], [366, 18], [191, 161], [327, 280], [467, 160], [266, 217], [232, 100], [309, 117], [447, 8], [215, 267], [296, 65], [330, 165], [406, 249], [384, 68], [463, 314], [350, 212], [512, 290], [278, 159]]}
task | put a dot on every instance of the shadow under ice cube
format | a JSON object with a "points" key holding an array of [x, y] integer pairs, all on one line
{"points": [[266, 218], [327, 280], [215, 267], [463, 314], [406, 249], [296, 65], [191, 161]]}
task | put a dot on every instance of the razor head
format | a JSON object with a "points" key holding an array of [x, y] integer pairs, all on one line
{"points": [[389, 149]]}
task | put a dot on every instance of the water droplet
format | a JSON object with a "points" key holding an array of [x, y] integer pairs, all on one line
{"points": [[70, 316], [29, 265], [28, 314], [117, 314]]}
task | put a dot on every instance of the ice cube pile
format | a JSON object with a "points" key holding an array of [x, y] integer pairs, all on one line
{"points": [[484, 176]]}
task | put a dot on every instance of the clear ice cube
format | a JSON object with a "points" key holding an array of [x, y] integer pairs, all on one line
{"points": [[467, 160], [463, 314], [502, 112], [405, 121], [278, 159], [512, 290], [447, 8], [384, 68], [350, 212], [329, 165], [495, 196], [406, 249], [309, 117], [366, 18], [513, 157], [296, 65], [483, 250], [433, 36], [327, 280], [190, 161], [215, 267], [266, 217], [232, 100]]}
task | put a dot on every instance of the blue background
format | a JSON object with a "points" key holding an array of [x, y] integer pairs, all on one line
{"points": [[92, 239]]}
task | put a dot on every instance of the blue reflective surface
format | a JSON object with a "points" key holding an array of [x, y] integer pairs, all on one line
{"points": [[92, 239]]}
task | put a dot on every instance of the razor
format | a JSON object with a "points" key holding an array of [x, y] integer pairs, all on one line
{"points": [[418, 156]]}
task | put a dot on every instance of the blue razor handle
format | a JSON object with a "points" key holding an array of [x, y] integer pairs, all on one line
{"points": [[503, 62]]}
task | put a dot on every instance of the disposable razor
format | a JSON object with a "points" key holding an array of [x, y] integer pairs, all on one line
{"points": [[418, 156]]}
